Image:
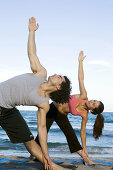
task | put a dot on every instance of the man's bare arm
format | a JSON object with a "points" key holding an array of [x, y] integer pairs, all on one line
{"points": [[36, 67], [42, 131]]}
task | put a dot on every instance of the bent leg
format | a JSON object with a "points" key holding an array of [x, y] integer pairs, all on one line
{"points": [[35, 150], [15, 126]]}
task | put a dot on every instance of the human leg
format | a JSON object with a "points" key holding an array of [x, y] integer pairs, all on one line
{"points": [[15, 126], [17, 130], [65, 126], [35, 150], [73, 143]]}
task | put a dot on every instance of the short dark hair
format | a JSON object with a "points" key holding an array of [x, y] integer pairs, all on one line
{"points": [[62, 95]]}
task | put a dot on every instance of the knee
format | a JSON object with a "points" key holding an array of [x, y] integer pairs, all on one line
{"points": [[29, 143]]}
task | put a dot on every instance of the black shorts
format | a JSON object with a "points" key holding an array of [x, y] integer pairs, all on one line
{"points": [[15, 126]]}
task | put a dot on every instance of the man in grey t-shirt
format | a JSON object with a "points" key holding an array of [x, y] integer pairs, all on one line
{"points": [[31, 89]]}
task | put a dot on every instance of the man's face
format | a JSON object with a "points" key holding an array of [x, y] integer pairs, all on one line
{"points": [[56, 80]]}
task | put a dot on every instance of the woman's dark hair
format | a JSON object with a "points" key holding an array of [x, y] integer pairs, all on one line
{"points": [[62, 95], [99, 122], [98, 126], [99, 109]]}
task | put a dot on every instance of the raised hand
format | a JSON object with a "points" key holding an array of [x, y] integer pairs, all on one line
{"points": [[33, 26], [81, 56]]}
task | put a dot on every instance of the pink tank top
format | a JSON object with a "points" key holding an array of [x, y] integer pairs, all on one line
{"points": [[73, 102]]}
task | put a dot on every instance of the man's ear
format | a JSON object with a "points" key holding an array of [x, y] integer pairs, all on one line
{"points": [[58, 87]]}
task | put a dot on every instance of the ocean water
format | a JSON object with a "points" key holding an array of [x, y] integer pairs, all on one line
{"points": [[57, 144]]}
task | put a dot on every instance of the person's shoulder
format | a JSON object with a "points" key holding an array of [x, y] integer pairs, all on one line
{"points": [[44, 105], [85, 116], [77, 96], [42, 73]]}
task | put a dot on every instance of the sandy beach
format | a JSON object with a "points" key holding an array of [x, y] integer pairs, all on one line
{"points": [[23, 163]]}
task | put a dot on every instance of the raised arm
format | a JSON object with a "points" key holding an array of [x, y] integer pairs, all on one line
{"points": [[83, 93], [36, 67]]}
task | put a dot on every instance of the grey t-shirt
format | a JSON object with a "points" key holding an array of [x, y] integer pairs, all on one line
{"points": [[21, 90]]}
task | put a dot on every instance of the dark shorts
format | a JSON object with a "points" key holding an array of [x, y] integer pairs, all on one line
{"points": [[15, 126]]}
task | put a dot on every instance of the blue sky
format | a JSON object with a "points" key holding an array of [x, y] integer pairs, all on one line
{"points": [[65, 28]]}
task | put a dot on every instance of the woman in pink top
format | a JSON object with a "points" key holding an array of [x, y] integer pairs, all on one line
{"points": [[80, 105], [77, 105]]}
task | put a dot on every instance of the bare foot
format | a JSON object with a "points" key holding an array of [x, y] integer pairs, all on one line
{"points": [[54, 166], [88, 161], [85, 157]]}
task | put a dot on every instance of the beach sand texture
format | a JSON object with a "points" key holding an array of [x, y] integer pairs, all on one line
{"points": [[22, 163]]}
